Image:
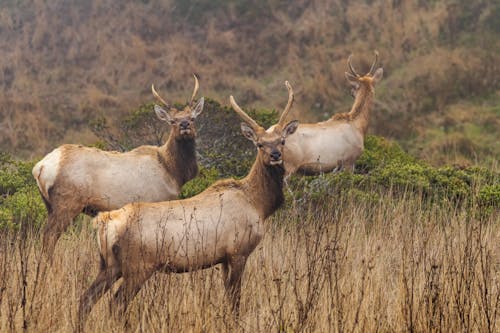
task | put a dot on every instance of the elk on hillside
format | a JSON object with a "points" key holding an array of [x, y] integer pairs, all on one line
{"points": [[221, 225], [337, 142], [73, 179]]}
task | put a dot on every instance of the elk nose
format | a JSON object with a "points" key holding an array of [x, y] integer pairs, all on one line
{"points": [[184, 124], [275, 155]]}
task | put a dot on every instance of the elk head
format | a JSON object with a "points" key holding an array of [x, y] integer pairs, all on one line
{"points": [[269, 143], [368, 80], [182, 122]]}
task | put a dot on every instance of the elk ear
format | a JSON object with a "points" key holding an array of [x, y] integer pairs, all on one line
{"points": [[377, 76], [290, 128], [163, 115], [248, 132], [198, 108], [353, 80]]}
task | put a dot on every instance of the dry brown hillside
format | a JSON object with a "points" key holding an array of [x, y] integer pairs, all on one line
{"points": [[63, 62]]}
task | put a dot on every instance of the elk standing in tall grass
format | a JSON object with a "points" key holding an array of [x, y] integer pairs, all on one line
{"points": [[337, 142], [74, 179], [221, 225]]}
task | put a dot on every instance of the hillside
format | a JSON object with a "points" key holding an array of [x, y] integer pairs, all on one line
{"points": [[65, 62]]}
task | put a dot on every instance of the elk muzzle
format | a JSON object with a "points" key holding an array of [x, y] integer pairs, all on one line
{"points": [[184, 127], [276, 157]]}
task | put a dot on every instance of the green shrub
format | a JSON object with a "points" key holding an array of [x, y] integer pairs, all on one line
{"points": [[380, 151], [221, 145], [138, 127], [489, 197], [205, 178], [14, 175], [24, 206], [20, 201], [384, 166]]}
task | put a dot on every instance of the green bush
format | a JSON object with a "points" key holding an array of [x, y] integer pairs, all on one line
{"points": [[380, 151], [20, 201], [489, 197], [205, 178], [138, 127], [384, 166], [24, 206]]}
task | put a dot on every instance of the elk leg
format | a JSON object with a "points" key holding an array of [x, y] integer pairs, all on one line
{"points": [[348, 165], [126, 292], [233, 283], [225, 272], [64, 208], [57, 223], [99, 287]]}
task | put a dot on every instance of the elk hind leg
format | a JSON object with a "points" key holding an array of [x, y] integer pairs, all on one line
{"points": [[129, 288], [102, 283]]}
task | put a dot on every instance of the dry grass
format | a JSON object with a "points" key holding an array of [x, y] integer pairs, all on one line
{"points": [[391, 266]]}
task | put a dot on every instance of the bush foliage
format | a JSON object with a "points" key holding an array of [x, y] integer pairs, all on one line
{"points": [[19, 198], [224, 152]]}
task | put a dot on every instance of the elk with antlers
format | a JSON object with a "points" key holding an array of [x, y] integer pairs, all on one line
{"points": [[74, 179], [337, 142], [221, 225]]}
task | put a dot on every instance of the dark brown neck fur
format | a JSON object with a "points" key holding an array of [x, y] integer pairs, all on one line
{"points": [[264, 186], [178, 155], [360, 111], [361, 108]]}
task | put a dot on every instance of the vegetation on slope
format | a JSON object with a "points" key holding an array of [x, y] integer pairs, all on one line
{"points": [[64, 62]]}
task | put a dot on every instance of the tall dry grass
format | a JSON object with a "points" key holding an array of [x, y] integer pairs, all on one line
{"points": [[400, 264]]}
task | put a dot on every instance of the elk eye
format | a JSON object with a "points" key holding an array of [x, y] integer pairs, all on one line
{"points": [[283, 142], [192, 118], [260, 145]]}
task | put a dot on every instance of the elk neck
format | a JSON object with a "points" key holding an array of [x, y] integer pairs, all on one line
{"points": [[363, 103], [264, 186], [178, 155]]}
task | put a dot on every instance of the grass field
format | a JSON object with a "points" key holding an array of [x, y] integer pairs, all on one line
{"points": [[397, 264]]}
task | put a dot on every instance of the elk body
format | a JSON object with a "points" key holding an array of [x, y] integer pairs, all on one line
{"points": [[74, 179], [221, 225], [338, 142]]}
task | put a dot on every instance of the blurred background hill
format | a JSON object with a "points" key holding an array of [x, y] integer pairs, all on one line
{"points": [[64, 63]]}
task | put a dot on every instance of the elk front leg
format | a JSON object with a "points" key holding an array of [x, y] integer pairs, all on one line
{"points": [[233, 281], [57, 223]]}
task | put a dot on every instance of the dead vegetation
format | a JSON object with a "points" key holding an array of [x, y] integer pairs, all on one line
{"points": [[399, 264], [65, 62]]}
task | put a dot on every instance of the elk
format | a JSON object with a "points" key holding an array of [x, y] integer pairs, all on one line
{"points": [[73, 179], [337, 142], [221, 225]]}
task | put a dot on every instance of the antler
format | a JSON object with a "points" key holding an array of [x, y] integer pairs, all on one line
{"points": [[195, 90], [243, 114], [353, 72], [374, 64], [155, 93], [288, 105], [372, 68]]}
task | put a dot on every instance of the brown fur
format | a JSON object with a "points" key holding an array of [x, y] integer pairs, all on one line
{"points": [[361, 108], [177, 156], [263, 188], [264, 185]]}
